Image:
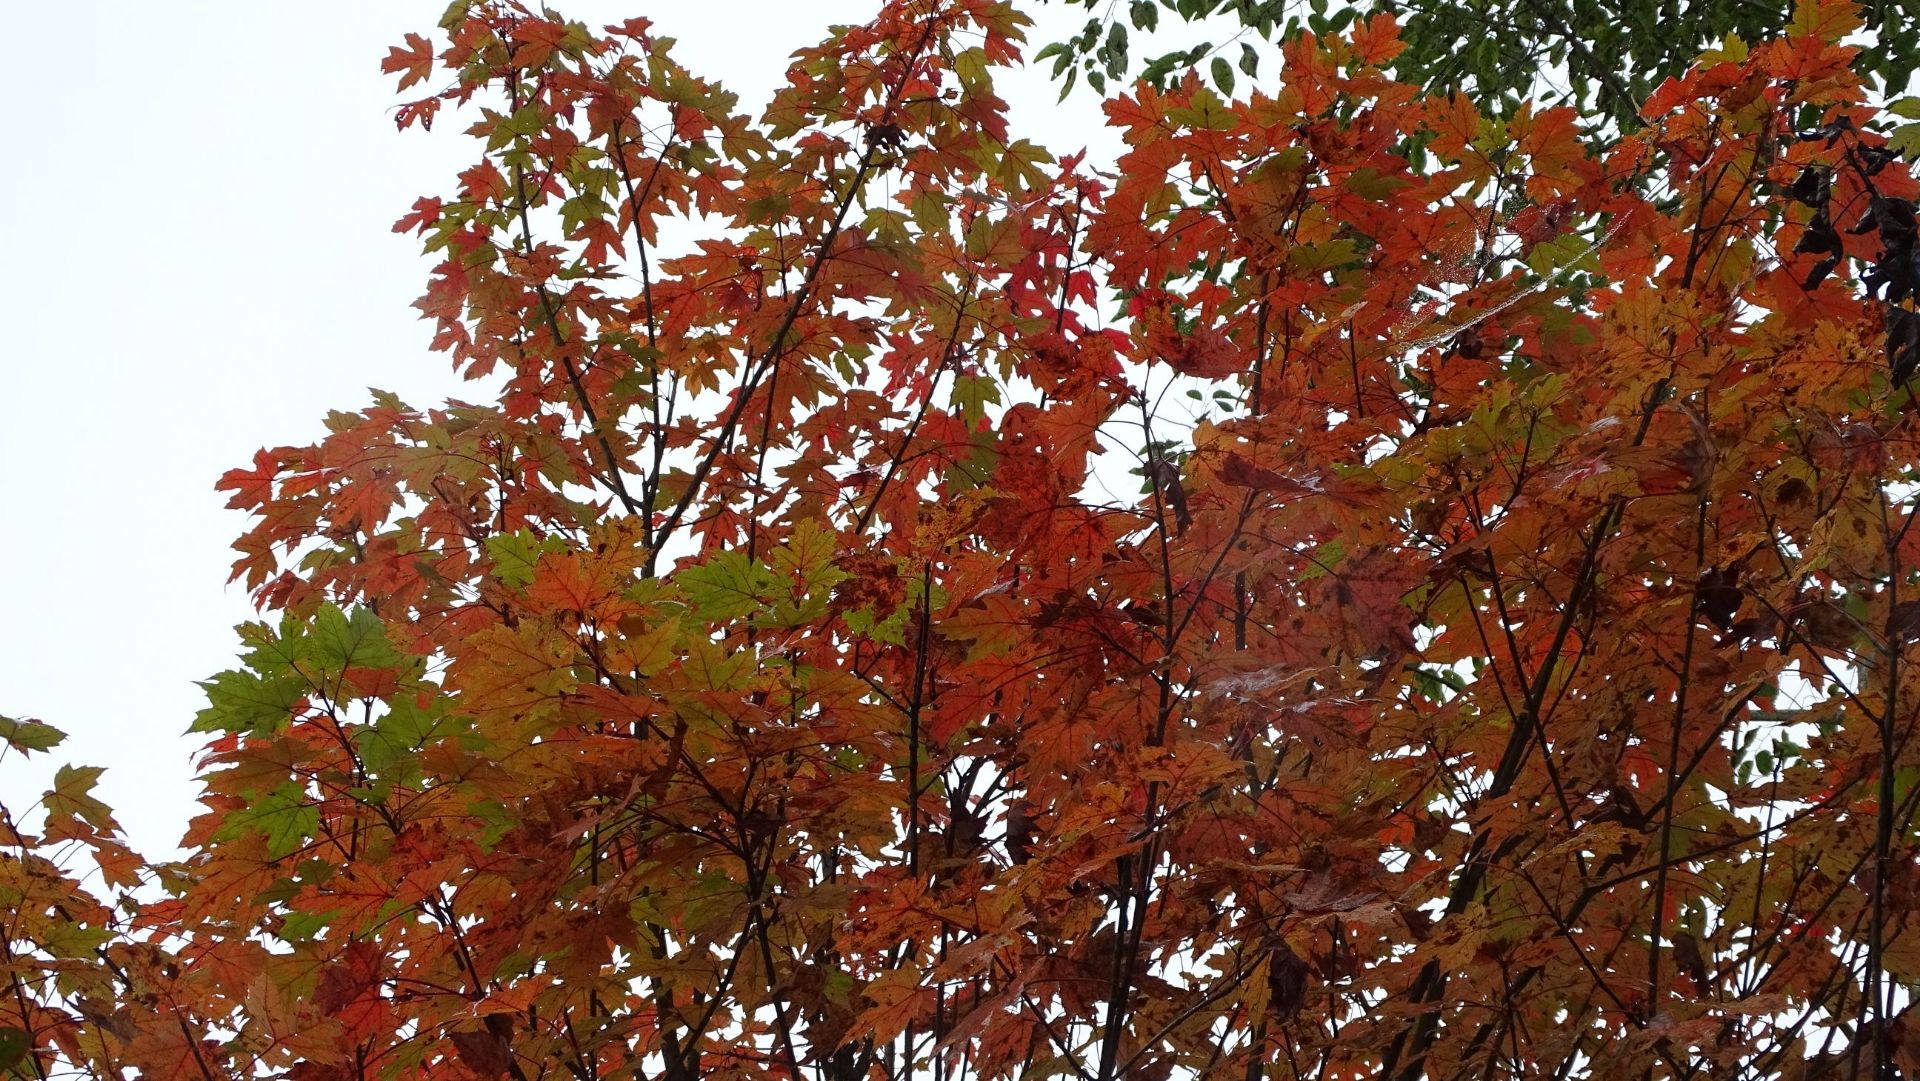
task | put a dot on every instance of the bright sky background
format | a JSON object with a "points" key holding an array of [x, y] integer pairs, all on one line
{"points": [[199, 263]]}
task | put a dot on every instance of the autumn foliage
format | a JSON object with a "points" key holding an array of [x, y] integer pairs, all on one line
{"points": [[1369, 589]]}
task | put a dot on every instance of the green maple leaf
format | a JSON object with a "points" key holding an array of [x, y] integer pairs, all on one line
{"points": [[516, 554], [27, 735], [243, 701], [356, 639], [282, 815], [726, 587]]}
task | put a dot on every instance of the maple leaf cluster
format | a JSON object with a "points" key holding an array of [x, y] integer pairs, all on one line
{"points": [[828, 651]]}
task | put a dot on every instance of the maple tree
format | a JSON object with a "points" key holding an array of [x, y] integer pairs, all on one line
{"points": [[1367, 589]]}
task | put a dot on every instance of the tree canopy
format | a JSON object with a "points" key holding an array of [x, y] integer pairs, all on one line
{"points": [[1602, 56], [1373, 587]]}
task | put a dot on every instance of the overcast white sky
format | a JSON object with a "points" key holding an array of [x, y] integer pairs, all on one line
{"points": [[198, 263]]}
